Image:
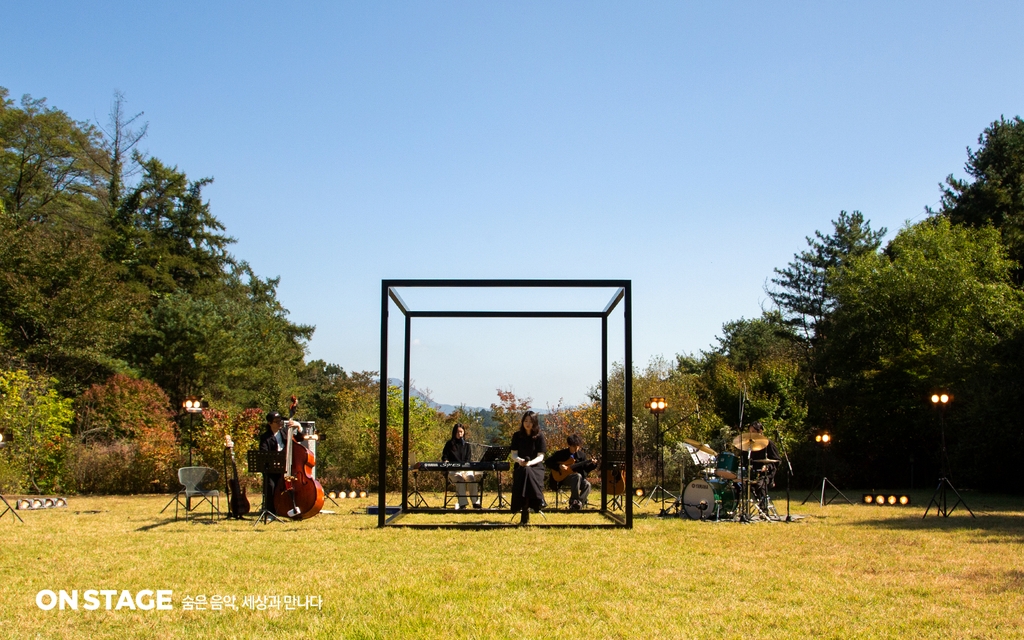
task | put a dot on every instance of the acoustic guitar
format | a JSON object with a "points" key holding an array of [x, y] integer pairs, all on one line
{"points": [[616, 480], [559, 474], [238, 502]]}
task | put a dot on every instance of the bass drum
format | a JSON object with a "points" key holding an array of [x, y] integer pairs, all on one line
{"points": [[711, 499]]}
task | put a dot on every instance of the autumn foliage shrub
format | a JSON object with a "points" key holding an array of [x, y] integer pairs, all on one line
{"points": [[127, 441]]}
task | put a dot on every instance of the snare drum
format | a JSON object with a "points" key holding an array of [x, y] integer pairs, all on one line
{"points": [[728, 466]]}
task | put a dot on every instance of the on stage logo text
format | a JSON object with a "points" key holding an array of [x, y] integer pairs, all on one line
{"points": [[93, 599]]}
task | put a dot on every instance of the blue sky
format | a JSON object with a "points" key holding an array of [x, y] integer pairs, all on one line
{"points": [[687, 147]]}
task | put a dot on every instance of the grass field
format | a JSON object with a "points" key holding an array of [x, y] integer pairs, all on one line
{"points": [[843, 571]]}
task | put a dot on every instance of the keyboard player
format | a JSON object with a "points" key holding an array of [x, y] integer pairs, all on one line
{"points": [[457, 450]]}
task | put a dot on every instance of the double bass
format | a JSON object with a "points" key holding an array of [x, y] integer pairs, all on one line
{"points": [[299, 496]]}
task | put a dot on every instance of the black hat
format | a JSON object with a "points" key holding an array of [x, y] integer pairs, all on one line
{"points": [[272, 416]]}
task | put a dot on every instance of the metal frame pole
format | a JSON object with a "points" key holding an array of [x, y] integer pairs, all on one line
{"points": [[405, 415], [627, 366], [382, 462]]}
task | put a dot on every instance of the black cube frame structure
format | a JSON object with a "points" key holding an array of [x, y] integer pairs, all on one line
{"points": [[389, 294]]}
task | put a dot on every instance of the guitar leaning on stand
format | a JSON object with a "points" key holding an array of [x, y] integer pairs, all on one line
{"points": [[238, 502]]}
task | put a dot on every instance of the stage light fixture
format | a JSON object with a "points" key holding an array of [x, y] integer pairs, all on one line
{"points": [[60, 502], [941, 399], [890, 500], [657, 404], [352, 494], [362, 494], [192, 404], [24, 504], [639, 493]]}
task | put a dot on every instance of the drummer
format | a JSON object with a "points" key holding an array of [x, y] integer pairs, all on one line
{"points": [[767, 457]]}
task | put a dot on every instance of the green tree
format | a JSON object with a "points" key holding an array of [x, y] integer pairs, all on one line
{"points": [[745, 343], [995, 194], [46, 176], [803, 293], [936, 309], [61, 307], [165, 236], [238, 345], [37, 427]]}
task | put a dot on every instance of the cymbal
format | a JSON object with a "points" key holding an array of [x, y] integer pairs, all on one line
{"points": [[700, 447], [766, 461], [750, 441]]}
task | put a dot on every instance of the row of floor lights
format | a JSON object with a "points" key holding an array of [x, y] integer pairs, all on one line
{"points": [[891, 500], [343, 495]]}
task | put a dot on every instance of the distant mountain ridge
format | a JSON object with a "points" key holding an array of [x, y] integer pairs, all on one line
{"points": [[444, 408]]}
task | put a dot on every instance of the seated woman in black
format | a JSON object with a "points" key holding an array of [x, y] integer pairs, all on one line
{"points": [[457, 450], [528, 449]]}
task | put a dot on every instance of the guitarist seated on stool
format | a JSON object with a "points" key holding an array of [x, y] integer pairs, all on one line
{"points": [[569, 467], [273, 439]]}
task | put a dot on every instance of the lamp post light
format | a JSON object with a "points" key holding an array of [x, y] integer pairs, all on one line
{"points": [[192, 405]]}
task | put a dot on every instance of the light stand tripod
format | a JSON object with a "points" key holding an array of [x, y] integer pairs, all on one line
{"points": [[825, 439], [939, 498], [416, 499], [659, 488], [8, 507]]}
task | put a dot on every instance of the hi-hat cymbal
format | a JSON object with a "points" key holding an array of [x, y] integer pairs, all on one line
{"points": [[700, 447], [750, 441]]}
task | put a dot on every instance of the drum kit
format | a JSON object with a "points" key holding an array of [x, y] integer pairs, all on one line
{"points": [[725, 489]]}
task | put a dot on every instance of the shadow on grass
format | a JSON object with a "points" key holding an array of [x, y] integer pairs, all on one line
{"points": [[164, 523], [999, 518]]}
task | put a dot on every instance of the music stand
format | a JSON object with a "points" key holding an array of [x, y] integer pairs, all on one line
{"points": [[8, 507], [266, 462], [497, 454]]}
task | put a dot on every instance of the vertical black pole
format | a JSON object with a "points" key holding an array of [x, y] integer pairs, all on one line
{"points": [[405, 414], [604, 414], [628, 372], [382, 462]]}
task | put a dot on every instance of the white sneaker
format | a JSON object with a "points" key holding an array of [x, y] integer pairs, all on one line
{"points": [[457, 506]]}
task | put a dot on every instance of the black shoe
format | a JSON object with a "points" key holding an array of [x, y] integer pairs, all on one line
{"points": [[477, 505], [525, 519], [575, 505]]}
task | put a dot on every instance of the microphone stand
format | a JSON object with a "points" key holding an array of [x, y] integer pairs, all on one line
{"points": [[789, 473]]}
